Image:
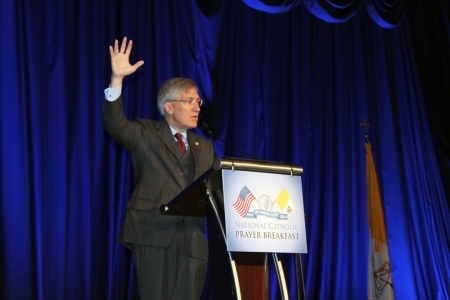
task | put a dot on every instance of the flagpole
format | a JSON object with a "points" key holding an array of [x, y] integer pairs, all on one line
{"points": [[365, 124], [379, 265]]}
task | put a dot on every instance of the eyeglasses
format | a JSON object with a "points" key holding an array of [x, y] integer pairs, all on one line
{"points": [[189, 101]]}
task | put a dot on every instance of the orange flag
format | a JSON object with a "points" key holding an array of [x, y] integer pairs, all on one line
{"points": [[379, 277]]}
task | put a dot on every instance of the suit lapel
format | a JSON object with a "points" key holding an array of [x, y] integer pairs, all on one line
{"points": [[173, 151], [194, 146], [166, 135]]}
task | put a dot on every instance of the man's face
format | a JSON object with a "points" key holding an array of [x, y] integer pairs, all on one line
{"points": [[182, 116]]}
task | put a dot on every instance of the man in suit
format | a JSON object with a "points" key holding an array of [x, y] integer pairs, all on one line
{"points": [[170, 252]]}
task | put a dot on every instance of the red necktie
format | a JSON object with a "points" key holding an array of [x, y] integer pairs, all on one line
{"points": [[180, 142]]}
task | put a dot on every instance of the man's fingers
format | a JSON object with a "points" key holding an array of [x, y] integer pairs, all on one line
{"points": [[138, 64], [129, 47], [111, 51], [124, 48], [124, 45], [116, 46]]}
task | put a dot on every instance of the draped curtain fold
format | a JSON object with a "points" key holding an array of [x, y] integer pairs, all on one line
{"points": [[284, 86], [387, 14]]}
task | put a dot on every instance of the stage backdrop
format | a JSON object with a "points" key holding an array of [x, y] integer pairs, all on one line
{"points": [[287, 81]]}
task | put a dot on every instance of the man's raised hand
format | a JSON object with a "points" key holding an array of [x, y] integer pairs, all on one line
{"points": [[120, 61]]}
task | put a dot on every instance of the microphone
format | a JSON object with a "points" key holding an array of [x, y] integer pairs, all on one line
{"points": [[205, 129]]}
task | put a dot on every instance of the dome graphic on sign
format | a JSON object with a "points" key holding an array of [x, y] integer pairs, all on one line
{"points": [[265, 203]]}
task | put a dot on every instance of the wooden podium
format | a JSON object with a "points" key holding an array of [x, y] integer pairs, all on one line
{"points": [[234, 275]]}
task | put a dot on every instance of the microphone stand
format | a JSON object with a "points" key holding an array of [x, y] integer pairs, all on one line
{"points": [[205, 129]]}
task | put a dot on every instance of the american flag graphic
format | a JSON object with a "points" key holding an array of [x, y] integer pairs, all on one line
{"points": [[243, 202]]}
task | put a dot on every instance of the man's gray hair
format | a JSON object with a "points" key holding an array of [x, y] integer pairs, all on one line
{"points": [[171, 89]]}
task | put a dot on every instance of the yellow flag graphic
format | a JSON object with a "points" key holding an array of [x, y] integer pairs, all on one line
{"points": [[283, 198], [379, 279]]}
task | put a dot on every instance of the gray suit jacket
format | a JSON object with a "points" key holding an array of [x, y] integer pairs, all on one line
{"points": [[158, 178]]}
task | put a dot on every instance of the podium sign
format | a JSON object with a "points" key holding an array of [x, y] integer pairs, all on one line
{"points": [[264, 212]]}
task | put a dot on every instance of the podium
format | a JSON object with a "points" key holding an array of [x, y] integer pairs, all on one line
{"points": [[236, 274]]}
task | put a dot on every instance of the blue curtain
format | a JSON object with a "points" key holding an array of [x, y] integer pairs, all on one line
{"points": [[287, 81]]}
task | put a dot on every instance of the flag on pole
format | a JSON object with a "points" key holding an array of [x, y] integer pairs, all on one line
{"points": [[379, 277]]}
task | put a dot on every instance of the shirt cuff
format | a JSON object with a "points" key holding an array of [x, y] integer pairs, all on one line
{"points": [[112, 94]]}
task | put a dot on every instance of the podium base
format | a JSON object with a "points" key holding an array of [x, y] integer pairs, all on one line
{"points": [[253, 274]]}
